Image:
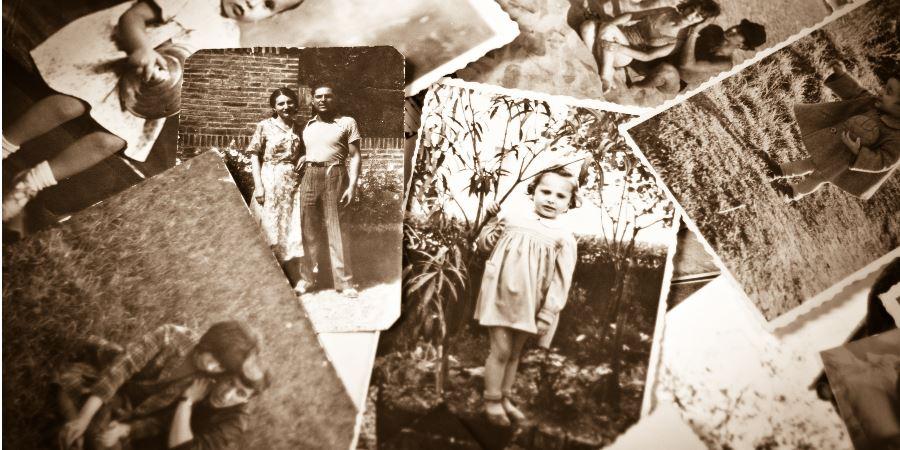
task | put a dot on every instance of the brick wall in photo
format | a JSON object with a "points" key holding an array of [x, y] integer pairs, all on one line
{"points": [[226, 93]]}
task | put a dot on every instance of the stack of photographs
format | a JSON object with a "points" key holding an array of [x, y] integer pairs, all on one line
{"points": [[528, 224]]}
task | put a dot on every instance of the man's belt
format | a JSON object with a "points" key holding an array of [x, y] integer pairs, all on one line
{"points": [[321, 163]]}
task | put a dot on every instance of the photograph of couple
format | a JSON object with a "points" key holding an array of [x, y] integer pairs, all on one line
{"points": [[313, 138]]}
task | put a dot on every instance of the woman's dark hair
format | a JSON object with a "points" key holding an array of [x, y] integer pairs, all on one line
{"points": [[561, 171], [285, 91], [754, 34], [231, 343], [706, 8]]}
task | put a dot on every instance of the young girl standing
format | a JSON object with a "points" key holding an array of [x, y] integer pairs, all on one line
{"points": [[525, 284], [84, 61]]}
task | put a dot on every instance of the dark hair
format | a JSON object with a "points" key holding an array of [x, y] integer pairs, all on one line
{"points": [[754, 34], [706, 8], [320, 84], [285, 91], [561, 171], [231, 343]]}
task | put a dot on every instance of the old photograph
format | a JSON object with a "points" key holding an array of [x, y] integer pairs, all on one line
{"points": [[636, 53], [787, 168], [436, 37], [863, 376], [536, 256], [159, 319], [313, 138], [90, 90]]}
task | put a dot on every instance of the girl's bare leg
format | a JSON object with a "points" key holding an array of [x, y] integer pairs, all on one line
{"points": [[85, 153], [81, 155], [43, 116], [796, 168], [509, 376], [494, 370], [608, 60]]}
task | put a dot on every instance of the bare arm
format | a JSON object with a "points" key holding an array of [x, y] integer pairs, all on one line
{"points": [[255, 149], [640, 55], [181, 424], [132, 33], [354, 166]]}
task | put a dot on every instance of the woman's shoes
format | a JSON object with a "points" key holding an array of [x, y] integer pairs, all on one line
{"points": [[350, 293]]}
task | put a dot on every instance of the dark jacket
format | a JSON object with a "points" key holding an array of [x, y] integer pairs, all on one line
{"points": [[821, 127]]}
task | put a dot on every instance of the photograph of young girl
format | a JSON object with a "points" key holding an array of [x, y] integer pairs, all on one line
{"points": [[118, 70], [788, 168], [314, 139], [636, 54], [116, 337], [535, 257]]}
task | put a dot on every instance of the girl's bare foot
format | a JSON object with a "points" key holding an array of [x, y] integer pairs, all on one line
{"points": [[495, 412], [512, 412]]}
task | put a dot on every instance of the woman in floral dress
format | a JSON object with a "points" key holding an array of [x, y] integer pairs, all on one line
{"points": [[274, 150]]}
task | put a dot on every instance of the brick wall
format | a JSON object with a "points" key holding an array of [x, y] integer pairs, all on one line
{"points": [[226, 92]]}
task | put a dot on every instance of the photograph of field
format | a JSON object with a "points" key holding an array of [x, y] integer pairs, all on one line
{"points": [[182, 249], [719, 151]]}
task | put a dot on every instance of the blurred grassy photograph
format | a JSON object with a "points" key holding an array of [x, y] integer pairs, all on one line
{"points": [[719, 151], [180, 248]]}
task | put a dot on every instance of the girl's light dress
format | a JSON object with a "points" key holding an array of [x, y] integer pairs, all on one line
{"points": [[279, 215], [83, 60], [528, 273]]}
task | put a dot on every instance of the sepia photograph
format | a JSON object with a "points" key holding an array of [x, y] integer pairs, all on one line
{"points": [[787, 168], [131, 325], [633, 55], [436, 37], [91, 91], [863, 376], [313, 138], [536, 262]]}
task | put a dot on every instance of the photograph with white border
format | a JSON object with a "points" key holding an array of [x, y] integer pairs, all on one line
{"points": [[590, 265], [436, 37], [786, 168]]}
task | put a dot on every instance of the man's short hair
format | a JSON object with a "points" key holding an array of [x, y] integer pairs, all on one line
{"points": [[326, 84], [231, 343]]}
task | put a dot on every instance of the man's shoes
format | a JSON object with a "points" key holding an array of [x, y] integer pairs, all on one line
{"points": [[350, 293], [303, 287]]}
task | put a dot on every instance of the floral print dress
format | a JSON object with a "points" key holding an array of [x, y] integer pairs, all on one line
{"points": [[278, 148]]}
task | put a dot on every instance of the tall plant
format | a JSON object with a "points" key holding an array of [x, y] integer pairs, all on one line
{"points": [[633, 202]]}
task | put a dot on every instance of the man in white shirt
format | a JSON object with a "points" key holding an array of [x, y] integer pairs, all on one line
{"points": [[332, 166]]}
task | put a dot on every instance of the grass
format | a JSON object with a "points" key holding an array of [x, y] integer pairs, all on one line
{"points": [[568, 403], [179, 248], [711, 151]]}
